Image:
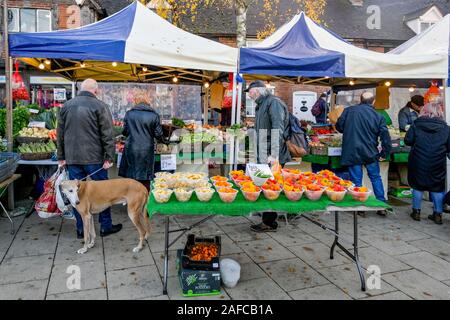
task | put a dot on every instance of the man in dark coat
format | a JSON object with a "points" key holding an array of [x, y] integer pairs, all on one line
{"points": [[142, 126], [362, 127], [409, 113], [429, 138], [86, 145], [271, 127]]}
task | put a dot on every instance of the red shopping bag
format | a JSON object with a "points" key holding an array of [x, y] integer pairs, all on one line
{"points": [[46, 206]]}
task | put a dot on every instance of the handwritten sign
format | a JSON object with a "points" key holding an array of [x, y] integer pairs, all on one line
{"points": [[36, 124], [168, 162]]}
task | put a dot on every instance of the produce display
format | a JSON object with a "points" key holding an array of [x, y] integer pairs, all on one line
{"points": [[37, 147], [34, 133], [297, 184], [203, 252]]}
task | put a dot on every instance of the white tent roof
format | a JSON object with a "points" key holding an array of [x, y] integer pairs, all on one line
{"points": [[133, 35], [362, 63]]}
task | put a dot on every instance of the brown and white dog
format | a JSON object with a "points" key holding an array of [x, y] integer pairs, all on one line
{"points": [[92, 197]]}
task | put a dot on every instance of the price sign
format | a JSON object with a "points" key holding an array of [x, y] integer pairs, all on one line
{"points": [[168, 162], [36, 124]]}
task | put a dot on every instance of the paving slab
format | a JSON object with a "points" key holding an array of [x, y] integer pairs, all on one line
{"points": [[66, 252], [435, 246], [389, 244], [293, 274], [372, 256], [428, 264], [207, 228], [326, 292], [249, 269], [94, 294], [134, 283], [123, 257], [24, 269], [33, 245], [92, 276], [397, 295], [159, 261], [346, 277], [228, 221], [257, 289], [242, 232], [228, 246], [418, 285], [31, 290], [317, 255], [265, 250], [292, 236]]}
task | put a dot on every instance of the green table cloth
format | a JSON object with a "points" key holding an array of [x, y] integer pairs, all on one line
{"points": [[242, 207]]}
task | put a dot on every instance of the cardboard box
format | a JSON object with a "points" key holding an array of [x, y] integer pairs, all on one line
{"points": [[197, 282]]}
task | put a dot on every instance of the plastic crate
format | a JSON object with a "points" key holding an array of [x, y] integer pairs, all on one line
{"points": [[212, 265], [8, 164]]}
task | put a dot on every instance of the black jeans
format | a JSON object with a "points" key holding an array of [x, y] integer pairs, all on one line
{"points": [[269, 219]]}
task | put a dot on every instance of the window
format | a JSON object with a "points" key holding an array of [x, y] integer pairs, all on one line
{"points": [[44, 21], [29, 20], [425, 25]]}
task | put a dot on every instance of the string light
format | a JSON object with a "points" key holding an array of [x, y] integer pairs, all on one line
{"points": [[175, 79], [387, 83], [441, 87], [114, 64], [144, 69], [41, 66], [206, 85], [47, 62], [352, 83], [412, 89], [83, 65]]}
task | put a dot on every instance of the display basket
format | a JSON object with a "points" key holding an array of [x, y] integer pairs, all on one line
{"points": [[8, 164], [31, 140], [36, 156], [186, 261]]}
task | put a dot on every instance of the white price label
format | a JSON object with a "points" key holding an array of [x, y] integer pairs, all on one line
{"points": [[36, 124], [168, 162]]}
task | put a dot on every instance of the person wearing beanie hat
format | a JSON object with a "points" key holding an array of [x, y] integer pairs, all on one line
{"points": [[409, 113]]}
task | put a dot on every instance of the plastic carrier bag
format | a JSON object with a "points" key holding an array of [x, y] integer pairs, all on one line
{"points": [[46, 206]]}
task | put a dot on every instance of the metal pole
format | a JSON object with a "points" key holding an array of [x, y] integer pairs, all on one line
{"points": [[8, 73]]}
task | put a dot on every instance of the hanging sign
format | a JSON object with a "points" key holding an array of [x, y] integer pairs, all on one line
{"points": [[59, 94]]}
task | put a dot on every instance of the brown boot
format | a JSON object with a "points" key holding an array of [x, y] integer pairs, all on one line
{"points": [[415, 214], [436, 217]]}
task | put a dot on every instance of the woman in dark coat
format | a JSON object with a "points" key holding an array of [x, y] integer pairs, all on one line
{"points": [[141, 127], [429, 137]]}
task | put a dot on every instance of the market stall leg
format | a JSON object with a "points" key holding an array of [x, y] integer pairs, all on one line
{"points": [[166, 256], [7, 215], [336, 236]]}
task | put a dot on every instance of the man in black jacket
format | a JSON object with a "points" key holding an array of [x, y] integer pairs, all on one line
{"points": [[86, 144], [362, 126]]}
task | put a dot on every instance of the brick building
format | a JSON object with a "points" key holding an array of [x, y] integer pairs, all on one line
{"points": [[41, 16]]}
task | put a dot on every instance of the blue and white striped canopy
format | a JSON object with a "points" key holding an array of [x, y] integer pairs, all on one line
{"points": [[133, 35], [303, 48]]}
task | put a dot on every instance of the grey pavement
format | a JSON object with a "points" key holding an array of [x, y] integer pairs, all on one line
{"points": [[38, 262]]}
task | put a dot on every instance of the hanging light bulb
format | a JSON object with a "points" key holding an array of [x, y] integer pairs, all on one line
{"points": [[175, 79], [47, 62], [387, 83], [441, 87], [114, 64], [83, 65], [206, 85], [144, 69], [352, 83], [41, 66], [412, 89], [327, 77]]}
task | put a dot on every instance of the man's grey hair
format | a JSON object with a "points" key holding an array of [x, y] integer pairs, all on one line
{"points": [[263, 91], [367, 98], [89, 85]]}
